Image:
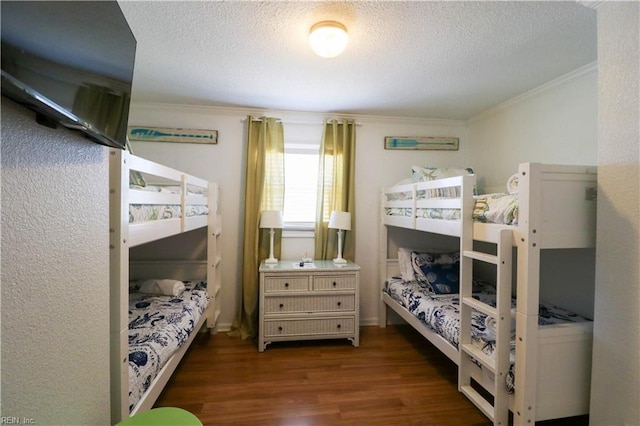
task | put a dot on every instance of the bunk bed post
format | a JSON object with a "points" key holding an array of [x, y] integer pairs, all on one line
{"points": [[466, 272], [382, 263], [119, 282], [528, 292], [213, 258]]}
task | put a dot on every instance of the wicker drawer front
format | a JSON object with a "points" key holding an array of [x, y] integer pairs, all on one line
{"points": [[308, 327], [287, 304], [338, 282], [299, 283]]}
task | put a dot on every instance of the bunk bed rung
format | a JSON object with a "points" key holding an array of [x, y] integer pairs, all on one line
{"points": [[480, 306], [480, 356], [478, 401], [484, 257]]}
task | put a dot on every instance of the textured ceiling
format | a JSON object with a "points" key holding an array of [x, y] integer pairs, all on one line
{"points": [[449, 60]]}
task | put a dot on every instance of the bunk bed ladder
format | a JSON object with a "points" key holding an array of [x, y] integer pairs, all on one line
{"points": [[498, 411]]}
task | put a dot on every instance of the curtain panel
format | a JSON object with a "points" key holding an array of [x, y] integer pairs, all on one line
{"points": [[336, 187], [264, 190]]}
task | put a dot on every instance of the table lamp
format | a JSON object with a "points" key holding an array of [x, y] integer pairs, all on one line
{"points": [[340, 221], [271, 219]]}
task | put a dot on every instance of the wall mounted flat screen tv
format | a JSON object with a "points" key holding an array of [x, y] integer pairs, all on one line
{"points": [[72, 63]]}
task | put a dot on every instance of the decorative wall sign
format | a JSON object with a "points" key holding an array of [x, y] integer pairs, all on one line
{"points": [[404, 142], [163, 134]]}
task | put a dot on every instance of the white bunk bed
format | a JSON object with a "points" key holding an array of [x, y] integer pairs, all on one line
{"points": [[178, 203], [556, 209]]}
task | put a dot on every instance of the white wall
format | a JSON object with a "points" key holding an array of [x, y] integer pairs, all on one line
{"points": [[555, 123], [615, 390], [223, 163], [55, 274]]}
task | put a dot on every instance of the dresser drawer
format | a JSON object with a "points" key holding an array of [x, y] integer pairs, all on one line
{"points": [[288, 304], [337, 282], [292, 283], [309, 327]]}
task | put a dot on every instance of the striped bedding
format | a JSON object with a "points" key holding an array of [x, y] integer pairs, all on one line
{"points": [[139, 213], [489, 208]]}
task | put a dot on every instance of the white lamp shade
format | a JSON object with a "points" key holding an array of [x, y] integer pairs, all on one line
{"points": [[328, 38], [271, 219], [340, 220]]}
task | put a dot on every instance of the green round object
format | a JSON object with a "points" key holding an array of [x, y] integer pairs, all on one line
{"points": [[163, 416]]}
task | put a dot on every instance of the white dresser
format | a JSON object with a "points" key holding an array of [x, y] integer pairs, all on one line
{"points": [[304, 303]]}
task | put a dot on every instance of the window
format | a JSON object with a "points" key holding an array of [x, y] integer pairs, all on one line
{"points": [[301, 185]]}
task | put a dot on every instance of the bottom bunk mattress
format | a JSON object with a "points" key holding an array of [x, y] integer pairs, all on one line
{"points": [[441, 314], [158, 326]]}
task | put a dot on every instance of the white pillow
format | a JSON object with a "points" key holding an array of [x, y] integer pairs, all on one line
{"points": [[405, 265], [165, 287]]}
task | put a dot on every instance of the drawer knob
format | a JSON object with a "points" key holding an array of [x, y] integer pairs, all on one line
{"points": [[334, 284], [286, 284], [339, 303], [339, 326], [281, 305], [280, 328]]}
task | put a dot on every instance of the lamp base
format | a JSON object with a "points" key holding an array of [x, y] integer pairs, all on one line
{"points": [[340, 260], [271, 261]]}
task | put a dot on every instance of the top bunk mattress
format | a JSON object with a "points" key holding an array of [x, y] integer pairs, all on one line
{"points": [[499, 208], [149, 211]]}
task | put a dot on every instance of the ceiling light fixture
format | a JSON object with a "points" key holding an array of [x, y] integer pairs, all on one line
{"points": [[328, 38]]}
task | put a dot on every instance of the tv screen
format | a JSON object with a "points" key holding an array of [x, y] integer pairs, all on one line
{"points": [[72, 63]]}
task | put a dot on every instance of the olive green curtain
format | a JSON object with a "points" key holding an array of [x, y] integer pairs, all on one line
{"points": [[336, 188], [264, 190]]}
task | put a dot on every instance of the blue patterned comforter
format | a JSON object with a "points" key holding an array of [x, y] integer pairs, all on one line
{"points": [[158, 326], [442, 315]]}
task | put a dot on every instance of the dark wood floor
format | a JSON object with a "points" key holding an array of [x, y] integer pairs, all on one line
{"points": [[395, 377]]}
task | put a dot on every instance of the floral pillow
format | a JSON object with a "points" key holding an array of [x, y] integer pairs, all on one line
{"points": [[407, 257], [422, 174], [441, 278], [438, 271], [419, 258]]}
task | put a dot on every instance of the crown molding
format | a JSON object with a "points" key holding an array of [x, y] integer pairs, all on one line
{"points": [[591, 4], [571, 76], [292, 117]]}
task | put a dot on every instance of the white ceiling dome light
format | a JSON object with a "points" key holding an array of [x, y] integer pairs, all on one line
{"points": [[328, 39]]}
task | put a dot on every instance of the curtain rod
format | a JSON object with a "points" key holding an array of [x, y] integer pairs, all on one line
{"points": [[244, 120]]}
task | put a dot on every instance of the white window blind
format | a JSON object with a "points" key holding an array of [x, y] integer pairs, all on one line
{"points": [[301, 183]]}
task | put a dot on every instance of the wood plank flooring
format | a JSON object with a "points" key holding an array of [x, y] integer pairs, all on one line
{"points": [[395, 377]]}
